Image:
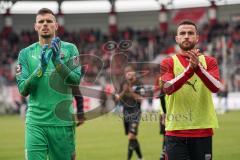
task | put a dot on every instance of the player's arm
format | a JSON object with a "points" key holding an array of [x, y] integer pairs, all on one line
{"points": [[71, 75], [80, 109], [27, 81], [136, 96], [210, 76], [163, 102], [140, 95], [168, 82], [124, 89]]}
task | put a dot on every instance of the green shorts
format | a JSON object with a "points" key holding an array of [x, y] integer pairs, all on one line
{"points": [[52, 142]]}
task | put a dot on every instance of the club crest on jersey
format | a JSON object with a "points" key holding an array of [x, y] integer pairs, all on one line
{"points": [[18, 69], [62, 55]]}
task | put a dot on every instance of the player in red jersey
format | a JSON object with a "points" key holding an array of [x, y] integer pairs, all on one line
{"points": [[188, 80]]}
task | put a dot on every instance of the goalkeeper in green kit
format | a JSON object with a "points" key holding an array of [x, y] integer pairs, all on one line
{"points": [[47, 71]]}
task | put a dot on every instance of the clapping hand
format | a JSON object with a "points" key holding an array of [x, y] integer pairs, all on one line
{"points": [[45, 57], [193, 57], [56, 48]]}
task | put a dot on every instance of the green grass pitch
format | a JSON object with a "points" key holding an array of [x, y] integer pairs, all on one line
{"points": [[103, 138]]}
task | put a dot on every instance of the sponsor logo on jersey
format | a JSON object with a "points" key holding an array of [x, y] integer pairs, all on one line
{"points": [[34, 57], [192, 85], [134, 125]]}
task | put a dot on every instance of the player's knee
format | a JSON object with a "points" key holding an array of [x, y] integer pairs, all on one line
{"points": [[73, 157], [131, 136]]}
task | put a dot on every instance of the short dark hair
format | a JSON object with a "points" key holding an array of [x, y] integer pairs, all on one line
{"points": [[45, 11], [187, 22], [129, 66]]}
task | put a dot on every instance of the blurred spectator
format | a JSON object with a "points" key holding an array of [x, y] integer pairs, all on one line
{"points": [[146, 46]]}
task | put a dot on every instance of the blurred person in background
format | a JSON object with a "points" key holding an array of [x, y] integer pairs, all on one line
{"points": [[223, 99], [130, 96], [162, 125], [79, 104]]}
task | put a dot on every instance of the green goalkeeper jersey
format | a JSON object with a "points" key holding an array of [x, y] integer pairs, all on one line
{"points": [[50, 93]]}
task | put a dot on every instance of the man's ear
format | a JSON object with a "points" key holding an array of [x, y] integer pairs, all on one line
{"points": [[35, 27], [56, 25], [197, 38], [176, 39]]}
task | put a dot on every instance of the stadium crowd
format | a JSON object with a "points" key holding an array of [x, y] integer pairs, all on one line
{"points": [[146, 46]]}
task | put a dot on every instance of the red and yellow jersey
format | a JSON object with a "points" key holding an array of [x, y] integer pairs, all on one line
{"points": [[208, 76]]}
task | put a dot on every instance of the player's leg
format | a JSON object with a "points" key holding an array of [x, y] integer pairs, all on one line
{"points": [[130, 148], [201, 148], [225, 103], [162, 132], [163, 153], [126, 126], [164, 148], [61, 143], [176, 148], [35, 143], [132, 137], [131, 145]]}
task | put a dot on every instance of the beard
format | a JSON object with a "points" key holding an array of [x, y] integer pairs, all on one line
{"points": [[188, 47]]}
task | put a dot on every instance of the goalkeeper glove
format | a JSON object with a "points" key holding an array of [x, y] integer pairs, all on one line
{"points": [[56, 46], [45, 57]]}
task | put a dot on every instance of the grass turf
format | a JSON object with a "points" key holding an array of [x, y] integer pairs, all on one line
{"points": [[103, 138]]}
